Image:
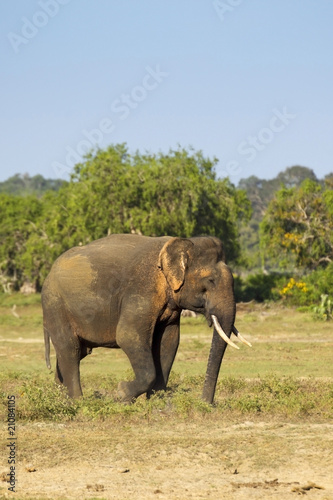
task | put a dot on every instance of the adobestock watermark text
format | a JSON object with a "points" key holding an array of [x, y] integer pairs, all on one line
{"points": [[224, 7], [253, 145], [31, 26]]}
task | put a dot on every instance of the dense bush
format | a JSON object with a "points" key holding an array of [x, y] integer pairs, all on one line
{"points": [[308, 290], [258, 287]]}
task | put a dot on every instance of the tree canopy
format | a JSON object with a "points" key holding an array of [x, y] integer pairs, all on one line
{"points": [[114, 191], [260, 193], [298, 225]]}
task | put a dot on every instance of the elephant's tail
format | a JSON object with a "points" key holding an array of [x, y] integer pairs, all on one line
{"points": [[47, 347]]}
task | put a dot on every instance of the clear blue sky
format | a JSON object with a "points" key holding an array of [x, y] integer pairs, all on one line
{"points": [[247, 81]]}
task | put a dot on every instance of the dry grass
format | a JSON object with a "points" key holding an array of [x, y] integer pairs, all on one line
{"points": [[268, 436]]}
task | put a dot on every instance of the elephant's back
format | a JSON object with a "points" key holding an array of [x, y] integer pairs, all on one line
{"points": [[122, 250], [119, 245], [105, 263]]}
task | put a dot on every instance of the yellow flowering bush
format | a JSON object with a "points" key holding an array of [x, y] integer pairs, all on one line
{"points": [[300, 285], [293, 287], [290, 238]]}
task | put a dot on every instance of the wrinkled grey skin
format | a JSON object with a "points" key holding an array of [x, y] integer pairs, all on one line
{"points": [[128, 291]]}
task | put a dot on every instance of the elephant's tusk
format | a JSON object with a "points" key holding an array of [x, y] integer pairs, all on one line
{"points": [[236, 332], [220, 331]]}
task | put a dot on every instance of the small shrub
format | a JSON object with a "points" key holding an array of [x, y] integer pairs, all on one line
{"points": [[309, 289], [232, 385], [40, 401], [279, 387], [320, 282], [324, 311], [95, 407], [296, 292], [249, 403], [185, 404]]}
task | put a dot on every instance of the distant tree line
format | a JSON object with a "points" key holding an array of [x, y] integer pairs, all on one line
{"points": [[24, 185], [282, 225]]}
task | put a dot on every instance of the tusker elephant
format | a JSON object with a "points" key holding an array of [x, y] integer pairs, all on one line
{"points": [[127, 291]]}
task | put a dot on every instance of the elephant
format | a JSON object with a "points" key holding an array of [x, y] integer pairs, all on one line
{"points": [[127, 291]]}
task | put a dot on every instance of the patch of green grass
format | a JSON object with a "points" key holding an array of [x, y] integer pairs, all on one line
{"points": [[39, 399], [286, 396], [19, 299], [19, 323]]}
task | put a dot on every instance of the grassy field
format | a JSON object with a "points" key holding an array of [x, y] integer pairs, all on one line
{"points": [[268, 435]]}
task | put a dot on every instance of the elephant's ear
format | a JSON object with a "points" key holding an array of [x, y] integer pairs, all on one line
{"points": [[173, 261]]}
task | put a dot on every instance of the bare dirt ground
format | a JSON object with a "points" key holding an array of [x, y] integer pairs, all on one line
{"points": [[160, 458]]}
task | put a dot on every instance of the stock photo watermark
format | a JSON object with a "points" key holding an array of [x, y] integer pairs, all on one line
{"points": [[254, 144], [121, 109], [11, 442], [31, 27], [225, 7]]}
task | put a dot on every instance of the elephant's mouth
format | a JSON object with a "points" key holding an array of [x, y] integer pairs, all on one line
{"points": [[225, 337]]}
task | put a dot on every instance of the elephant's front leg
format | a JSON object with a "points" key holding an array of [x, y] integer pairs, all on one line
{"points": [[165, 345], [139, 353]]}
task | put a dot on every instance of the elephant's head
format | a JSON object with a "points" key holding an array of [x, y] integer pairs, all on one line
{"points": [[196, 271]]}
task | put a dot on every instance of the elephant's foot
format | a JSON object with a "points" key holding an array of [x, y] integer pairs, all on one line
{"points": [[124, 393], [158, 386], [129, 391]]}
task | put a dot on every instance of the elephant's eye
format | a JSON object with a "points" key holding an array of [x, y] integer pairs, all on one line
{"points": [[210, 282]]}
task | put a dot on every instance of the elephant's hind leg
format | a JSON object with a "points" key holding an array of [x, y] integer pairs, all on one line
{"points": [[66, 344], [68, 364], [68, 373]]}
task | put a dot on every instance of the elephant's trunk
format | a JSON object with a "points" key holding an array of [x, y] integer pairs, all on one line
{"points": [[218, 347], [214, 363], [222, 306], [221, 337]]}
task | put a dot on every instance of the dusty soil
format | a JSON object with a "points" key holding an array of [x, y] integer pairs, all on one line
{"points": [[162, 458]]}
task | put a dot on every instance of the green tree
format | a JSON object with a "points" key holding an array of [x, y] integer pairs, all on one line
{"points": [[33, 233], [113, 191], [297, 227], [260, 192], [18, 218], [175, 193]]}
